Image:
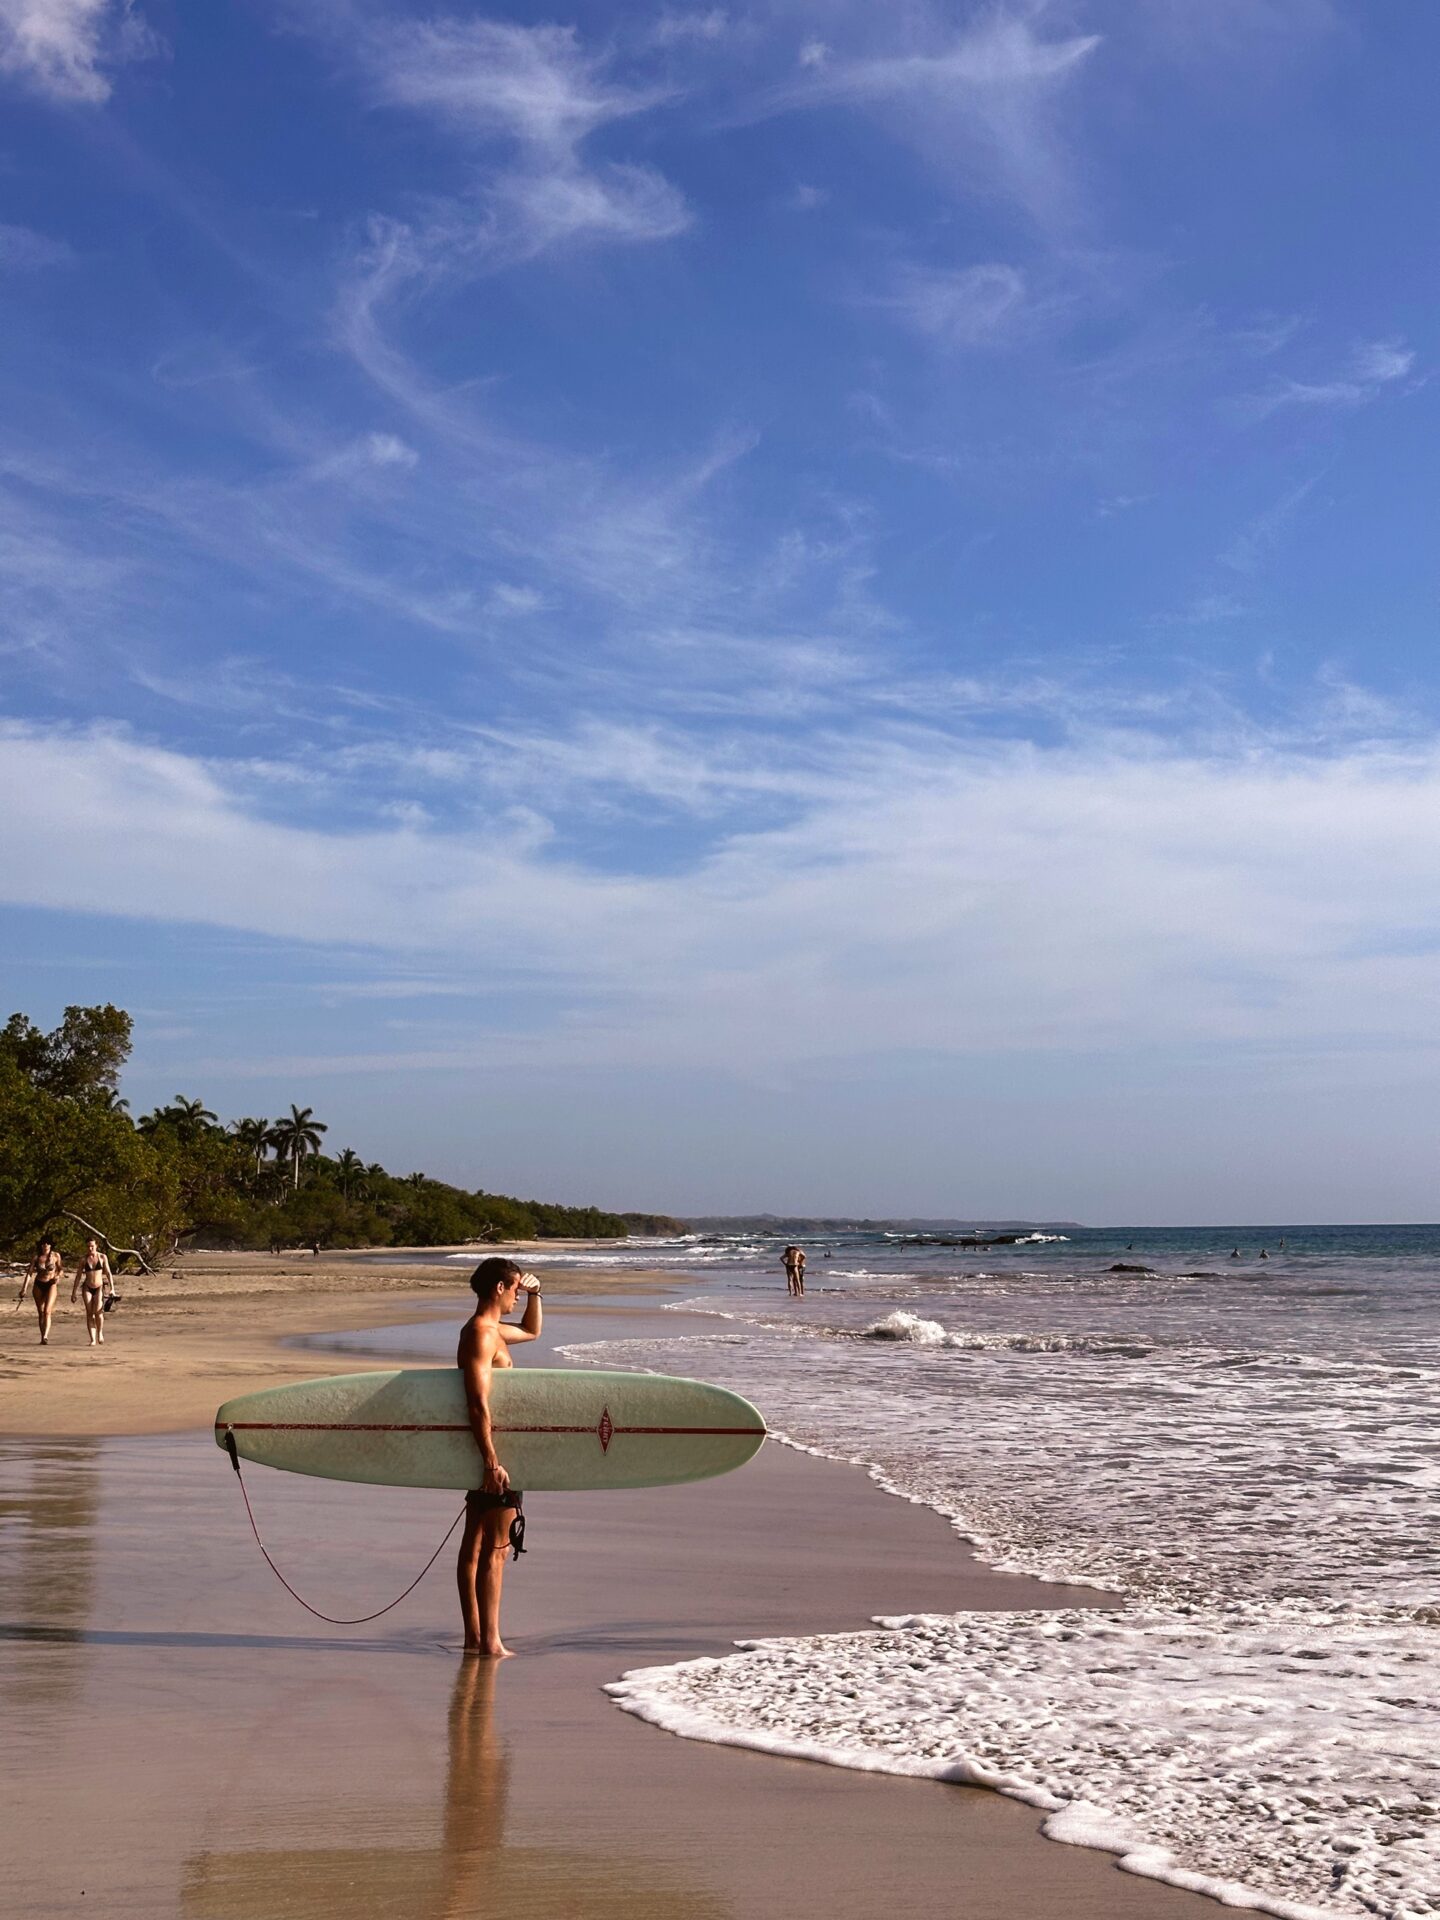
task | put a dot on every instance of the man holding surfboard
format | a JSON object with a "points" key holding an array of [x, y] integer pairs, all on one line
{"points": [[492, 1511]]}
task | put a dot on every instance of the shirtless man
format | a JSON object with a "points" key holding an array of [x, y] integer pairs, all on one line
{"points": [[42, 1276], [491, 1508]]}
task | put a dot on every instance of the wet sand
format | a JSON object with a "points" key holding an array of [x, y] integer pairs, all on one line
{"points": [[183, 1740]]}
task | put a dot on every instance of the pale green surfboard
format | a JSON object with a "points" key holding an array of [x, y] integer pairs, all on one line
{"points": [[555, 1428]]}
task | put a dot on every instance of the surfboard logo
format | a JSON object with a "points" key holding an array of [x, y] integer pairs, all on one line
{"points": [[605, 1429]]}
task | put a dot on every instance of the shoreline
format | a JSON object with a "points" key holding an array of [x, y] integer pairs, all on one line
{"points": [[634, 1580]]}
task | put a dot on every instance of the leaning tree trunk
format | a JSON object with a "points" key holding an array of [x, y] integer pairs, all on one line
{"points": [[109, 1245]]}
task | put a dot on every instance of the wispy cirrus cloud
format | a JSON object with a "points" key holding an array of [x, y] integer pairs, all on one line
{"points": [[22, 250], [541, 92], [959, 306], [66, 49], [1374, 367], [982, 103]]}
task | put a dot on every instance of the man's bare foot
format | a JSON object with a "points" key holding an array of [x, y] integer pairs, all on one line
{"points": [[474, 1651]]}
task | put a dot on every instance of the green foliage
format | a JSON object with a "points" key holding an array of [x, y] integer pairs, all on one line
{"points": [[80, 1060], [653, 1225], [68, 1144], [61, 1154]]}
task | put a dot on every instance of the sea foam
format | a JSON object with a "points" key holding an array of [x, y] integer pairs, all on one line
{"points": [[1255, 1722], [1079, 1714]]}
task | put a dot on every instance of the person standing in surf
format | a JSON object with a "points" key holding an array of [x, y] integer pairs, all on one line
{"points": [[492, 1510]]}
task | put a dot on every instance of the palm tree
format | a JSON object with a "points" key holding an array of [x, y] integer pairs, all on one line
{"points": [[270, 1181], [110, 1100], [254, 1136], [187, 1119], [348, 1164], [292, 1139], [415, 1180]]}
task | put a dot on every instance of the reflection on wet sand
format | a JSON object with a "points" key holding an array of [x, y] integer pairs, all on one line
{"points": [[49, 1500], [472, 1872]]}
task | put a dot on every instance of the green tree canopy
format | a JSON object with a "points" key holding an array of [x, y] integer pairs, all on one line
{"points": [[80, 1060]]}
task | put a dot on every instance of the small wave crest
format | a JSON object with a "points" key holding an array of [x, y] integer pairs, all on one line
{"points": [[910, 1329]]}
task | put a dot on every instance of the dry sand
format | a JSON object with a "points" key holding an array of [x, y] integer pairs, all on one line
{"points": [[212, 1325], [246, 1761]]}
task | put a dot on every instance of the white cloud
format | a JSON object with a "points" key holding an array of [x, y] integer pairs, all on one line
{"points": [[959, 306], [1264, 530], [389, 450], [1101, 894], [803, 198], [1373, 366], [487, 77], [23, 250], [508, 600], [1380, 361], [534, 211], [540, 90], [63, 48], [982, 105]]}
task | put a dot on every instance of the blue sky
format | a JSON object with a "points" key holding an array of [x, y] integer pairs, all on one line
{"points": [[802, 605]]}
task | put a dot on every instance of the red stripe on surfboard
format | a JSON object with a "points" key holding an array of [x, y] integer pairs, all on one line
{"points": [[348, 1426]]}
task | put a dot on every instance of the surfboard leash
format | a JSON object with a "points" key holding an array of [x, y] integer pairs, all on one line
{"points": [[330, 1619]]}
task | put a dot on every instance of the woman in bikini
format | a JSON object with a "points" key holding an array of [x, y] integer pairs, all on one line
{"points": [[43, 1275], [493, 1508], [92, 1276]]}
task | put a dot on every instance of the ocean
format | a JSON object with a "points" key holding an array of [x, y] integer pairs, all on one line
{"points": [[1244, 1450]]}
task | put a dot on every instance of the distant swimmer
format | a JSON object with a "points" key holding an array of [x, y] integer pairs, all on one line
{"points": [[1263, 1254], [42, 1278], [1235, 1253]]}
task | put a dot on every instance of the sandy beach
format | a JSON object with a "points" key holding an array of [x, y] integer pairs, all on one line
{"points": [[212, 1325], [235, 1757]]}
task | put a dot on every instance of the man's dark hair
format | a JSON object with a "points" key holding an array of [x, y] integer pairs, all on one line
{"points": [[493, 1274]]}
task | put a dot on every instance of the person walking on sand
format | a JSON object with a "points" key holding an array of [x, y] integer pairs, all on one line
{"points": [[493, 1511], [92, 1277], [43, 1276]]}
